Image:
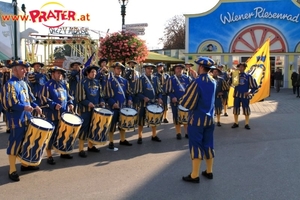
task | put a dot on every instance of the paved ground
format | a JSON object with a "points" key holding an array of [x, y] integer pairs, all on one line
{"points": [[261, 163]]}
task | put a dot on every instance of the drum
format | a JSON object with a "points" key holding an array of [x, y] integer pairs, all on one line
{"points": [[154, 115], [182, 115], [128, 118], [100, 123], [36, 140], [67, 131]]}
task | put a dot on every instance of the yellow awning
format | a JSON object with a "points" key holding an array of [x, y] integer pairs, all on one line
{"points": [[156, 57]]}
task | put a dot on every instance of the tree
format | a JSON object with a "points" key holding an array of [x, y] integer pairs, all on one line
{"points": [[174, 33], [122, 47]]}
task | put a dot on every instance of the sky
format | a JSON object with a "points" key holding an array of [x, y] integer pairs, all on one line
{"points": [[106, 15]]}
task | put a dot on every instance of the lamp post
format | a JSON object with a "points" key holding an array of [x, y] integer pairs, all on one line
{"points": [[123, 4], [24, 11], [15, 5]]}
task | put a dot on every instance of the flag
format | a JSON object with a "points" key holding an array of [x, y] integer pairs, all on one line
{"points": [[259, 67], [88, 62]]}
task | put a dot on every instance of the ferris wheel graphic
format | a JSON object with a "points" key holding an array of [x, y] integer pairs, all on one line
{"points": [[253, 37]]}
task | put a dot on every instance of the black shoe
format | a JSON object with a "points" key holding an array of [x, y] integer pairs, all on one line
{"points": [[165, 121], [190, 179], [186, 136], [51, 161], [178, 136], [125, 143], [156, 139], [207, 175], [247, 127], [7, 130], [67, 156], [235, 125], [14, 176], [225, 114], [111, 146], [29, 168], [218, 124], [140, 141], [93, 149], [82, 154]]}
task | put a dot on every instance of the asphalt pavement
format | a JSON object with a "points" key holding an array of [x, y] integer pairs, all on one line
{"points": [[259, 164]]}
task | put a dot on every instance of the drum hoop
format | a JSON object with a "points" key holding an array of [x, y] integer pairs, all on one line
{"points": [[105, 114], [40, 127], [69, 122], [129, 115]]}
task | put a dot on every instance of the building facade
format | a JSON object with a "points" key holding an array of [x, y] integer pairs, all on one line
{"points": [[234, 29]]}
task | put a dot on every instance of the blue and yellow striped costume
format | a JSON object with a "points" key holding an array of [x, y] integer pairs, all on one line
{"points": [[246, 83], [54, 93], [36, 82], [88, 91], [163, 78], [114, 95], [143, 89], [222, 87], [14, 97], [173, 89], [199, 98]]}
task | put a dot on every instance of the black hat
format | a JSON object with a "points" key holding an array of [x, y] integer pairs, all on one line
{"points": [[118, 64], [220, 65], [41, 64], [132, 61], [242, 64], [88, 69], [189, 64], [178, 65], [149, 65], [212, 68], [102, 60], [160, 64], [56, 68], [18, 63], [76, 62], [205, 62]]}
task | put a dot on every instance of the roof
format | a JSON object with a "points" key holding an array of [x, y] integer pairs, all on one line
{"points": [[156, 57]]}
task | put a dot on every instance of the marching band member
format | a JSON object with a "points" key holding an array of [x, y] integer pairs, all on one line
{"points": [[74, 78], [118, 94], [222, 87], [190, 72], [242, 94], [102, 73], [17, 100], [225, 76], [199, 99], [55, 93], [89, 96], [175, 88], [36, 81], [163, 78], [5, 76], [148, 90], [132, 76]]}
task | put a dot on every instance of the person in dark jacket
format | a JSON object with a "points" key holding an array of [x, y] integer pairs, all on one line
{"points": [[294, 81], [278, 78]]}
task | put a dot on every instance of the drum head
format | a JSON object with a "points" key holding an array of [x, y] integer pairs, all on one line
{"points": [[71, 118], [103, 111], [155, 108], [180, 107], [128, 111], [41, 123]]}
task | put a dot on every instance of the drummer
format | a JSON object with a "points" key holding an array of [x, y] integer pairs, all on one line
{"points": [[175, 88], [118, 94], [149, 91], [132, 75], [55, 93], [89, 96], [17, 101]]}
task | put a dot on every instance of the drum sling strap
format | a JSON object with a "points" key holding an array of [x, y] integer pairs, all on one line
{"points": [[152, 88], [120, 87], [180, 85]]}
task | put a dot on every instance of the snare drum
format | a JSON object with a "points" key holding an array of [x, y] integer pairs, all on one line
{"points": [[100, 123], [154, 114], [182, 115], [67, 131], [36, 140], [128, 118]]}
